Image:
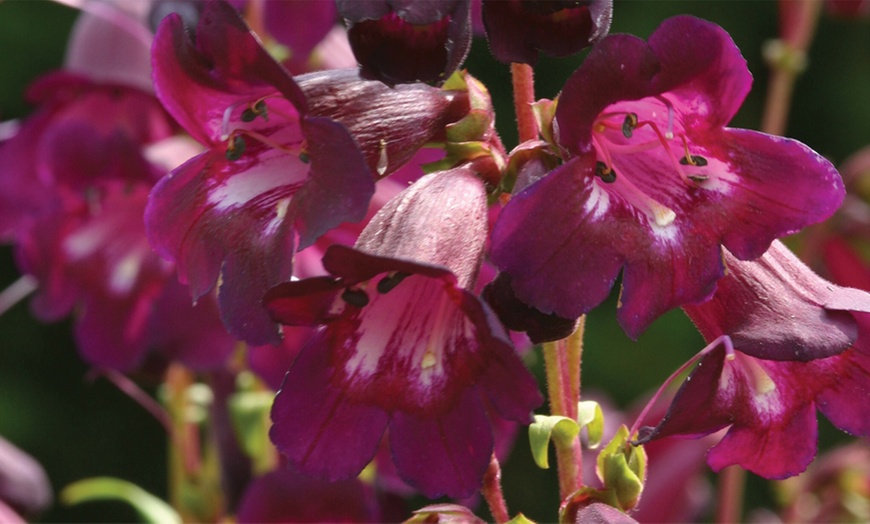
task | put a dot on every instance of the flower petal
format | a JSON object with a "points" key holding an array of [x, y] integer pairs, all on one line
{"points": [[315, 425], [445, 454]]}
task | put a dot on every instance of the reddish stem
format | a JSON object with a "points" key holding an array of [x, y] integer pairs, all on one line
{"points": [[492, 492], [524, 96]]}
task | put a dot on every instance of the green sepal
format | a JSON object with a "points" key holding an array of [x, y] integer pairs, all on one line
{"points": [[150, 508], [621, 467], [591, 417], [472, 126], [520, 519], [562, 430], [545, 113]]}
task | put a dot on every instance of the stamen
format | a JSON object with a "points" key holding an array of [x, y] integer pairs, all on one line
{"points": [[605, 173], [670, 133], [355, 297], [382, 158], [693, 160], [235, 148], [389, 282], [629, 124]]}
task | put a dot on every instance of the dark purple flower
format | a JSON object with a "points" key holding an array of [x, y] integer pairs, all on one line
{"points": [[800, 343], [404, 41], [654, 184], [280, 169], [405, 346], [517, 30]]}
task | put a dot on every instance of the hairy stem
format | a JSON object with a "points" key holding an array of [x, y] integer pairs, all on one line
{"points": [[492, 492], [524, 96]]}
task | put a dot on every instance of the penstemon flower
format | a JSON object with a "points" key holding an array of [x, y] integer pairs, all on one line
{"points": [[279, 171], [799, 344], [654, 184], [405, 347]]}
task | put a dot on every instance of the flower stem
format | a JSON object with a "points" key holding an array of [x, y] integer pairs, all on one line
{"points": [[562, 363], [787, 59], [492, 492], [16, 292], [730, 492], [524, 96]]}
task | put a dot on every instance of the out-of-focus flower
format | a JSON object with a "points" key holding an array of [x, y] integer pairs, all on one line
{"points": [[285, 495], [405, 347], [73, 186], [654, 184], [24, 487], [517, 30], [800, 343], [402, 41]]}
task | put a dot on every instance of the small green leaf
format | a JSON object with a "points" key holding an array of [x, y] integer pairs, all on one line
{"points": [[591, 417], [150, 508], [562, 430]]}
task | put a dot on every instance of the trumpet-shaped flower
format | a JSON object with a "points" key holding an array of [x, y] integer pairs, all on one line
{"points": [[654, 183], [280, 170], [799, 344], [405, 346]]}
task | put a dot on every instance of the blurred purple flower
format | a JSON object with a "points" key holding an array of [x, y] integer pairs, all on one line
{"points": [[24, 487]]}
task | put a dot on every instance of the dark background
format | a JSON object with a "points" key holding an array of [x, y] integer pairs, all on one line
{"points": [[80, 428]]}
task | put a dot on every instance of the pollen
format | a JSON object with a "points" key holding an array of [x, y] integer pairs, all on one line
{"points": [[428, 360]]}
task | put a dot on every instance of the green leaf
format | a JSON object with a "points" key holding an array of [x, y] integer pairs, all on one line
{"points": [[249, 412], [591, 417], [150, 508], [562, 430]]}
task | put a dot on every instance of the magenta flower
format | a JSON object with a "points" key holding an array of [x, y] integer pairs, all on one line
{"points": [[405, 347], [403, 41], [654, 184], [801, 343], [518, 30], [73, 187]]}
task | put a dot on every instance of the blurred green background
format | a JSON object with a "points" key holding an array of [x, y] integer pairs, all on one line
{"points": [[79, 428]]}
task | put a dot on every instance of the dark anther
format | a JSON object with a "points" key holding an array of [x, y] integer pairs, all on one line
{"points": [[698, 178], [259, 108], [355, 297], [694, 160], [629, 124], [248, 115], [236, 148], [389, 282], [605, 173], [304, 158]]}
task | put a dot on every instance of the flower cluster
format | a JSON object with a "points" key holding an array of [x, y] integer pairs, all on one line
{"points": [[327, 219]]}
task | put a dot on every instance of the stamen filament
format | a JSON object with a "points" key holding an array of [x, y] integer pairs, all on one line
{"points": [[662, 214]]}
